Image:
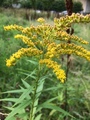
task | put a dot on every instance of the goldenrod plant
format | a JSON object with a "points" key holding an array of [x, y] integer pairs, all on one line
{"points": [[46, 43]]}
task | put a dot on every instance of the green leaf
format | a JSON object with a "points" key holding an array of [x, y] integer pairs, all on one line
{"points": [[38, 117], [15, 91], [52, 88], [24, 95], [48, 101], [52, 112], [33, 62], [77, 114], [17, 109], [23, 116], [35, 107], [40, 88], [9, 108], [26, 84], [9, 99], [31, 75], [54, 107]]}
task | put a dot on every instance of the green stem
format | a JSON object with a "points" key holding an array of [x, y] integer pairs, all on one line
{"points": [[37, 92], [66, 107], [33, 102], [66, 94]]}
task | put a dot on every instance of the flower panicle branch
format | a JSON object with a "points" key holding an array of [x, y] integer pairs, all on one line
{"points": [[62, 35], [55, 50], [20, 53], [65, 23], [25, 39], [13, 27], [56, 68]]}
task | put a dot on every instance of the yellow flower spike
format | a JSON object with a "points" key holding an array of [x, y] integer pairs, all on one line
{"points": [[60, 74], [22, 52], [25, 39], [13, 27], [65, 48], [41, 20], [64, 23], [29, 30], [62, 35]]}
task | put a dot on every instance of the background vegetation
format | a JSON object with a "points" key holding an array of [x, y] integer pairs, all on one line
{"points": [[45, 5]]}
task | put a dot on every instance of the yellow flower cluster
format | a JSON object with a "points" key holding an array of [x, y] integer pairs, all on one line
{"points": [[25, 39], [56, 68], [55, 50], [41, 35], [13, 27], [62, 35], [29, 31], [64, 23], [41, 20], [50, 41], [22, 52]]}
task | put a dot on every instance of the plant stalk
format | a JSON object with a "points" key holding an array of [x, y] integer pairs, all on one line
{"points": [[37, 92], [32, 114], [69, 7], [33, 102]]}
